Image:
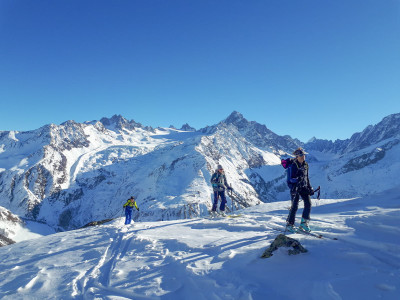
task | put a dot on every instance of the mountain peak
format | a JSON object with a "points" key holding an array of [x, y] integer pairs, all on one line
{"points": [[393, 118], [234, 118], [118, 122], [259, 134], [313, 139], [115, 119], [187, 127]]}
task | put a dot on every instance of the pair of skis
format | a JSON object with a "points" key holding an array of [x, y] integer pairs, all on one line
{"points": [[310, 233], [314, 234], [224, 216], [317, 235]]}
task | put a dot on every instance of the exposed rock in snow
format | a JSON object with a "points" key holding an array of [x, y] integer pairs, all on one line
{"points": [[97, 223], [286, 242], [9, 224], [5, 241]]}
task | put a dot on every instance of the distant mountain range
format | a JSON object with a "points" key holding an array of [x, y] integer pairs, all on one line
{"points": [[71, 174]]}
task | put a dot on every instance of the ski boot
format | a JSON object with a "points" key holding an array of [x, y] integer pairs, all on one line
{"points": [[304, 225], [291, 228]]}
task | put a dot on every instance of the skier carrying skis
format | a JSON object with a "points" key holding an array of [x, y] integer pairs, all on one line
{"points": [[219, 184], [128, 206], [300, 186]]}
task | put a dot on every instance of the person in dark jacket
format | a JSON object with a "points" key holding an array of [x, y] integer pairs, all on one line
{"points": [[130, 203], [300, 186], [219, 184]]}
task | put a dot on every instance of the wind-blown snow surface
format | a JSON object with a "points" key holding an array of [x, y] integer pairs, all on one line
{"points": [[216, 258]]}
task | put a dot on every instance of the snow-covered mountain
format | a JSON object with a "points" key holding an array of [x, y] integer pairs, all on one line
{"points": [[71, 174], [387, 129], [364, 164], [205, 258], [259, 135]]}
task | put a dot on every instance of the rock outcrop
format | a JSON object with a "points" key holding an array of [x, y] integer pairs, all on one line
{"points": [[286, 242]]}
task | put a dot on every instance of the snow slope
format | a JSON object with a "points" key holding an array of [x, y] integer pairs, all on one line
{"points": [[202, 258]]}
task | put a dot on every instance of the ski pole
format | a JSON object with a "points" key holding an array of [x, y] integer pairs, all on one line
{"points": [[318, 190], [230, 195]]}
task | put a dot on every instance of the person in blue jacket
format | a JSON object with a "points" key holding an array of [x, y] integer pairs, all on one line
{"points": [[130, 203], [300, 186]]}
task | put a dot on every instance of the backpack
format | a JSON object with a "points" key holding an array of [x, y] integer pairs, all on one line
{"points": [[286, 164], [214, 180]]}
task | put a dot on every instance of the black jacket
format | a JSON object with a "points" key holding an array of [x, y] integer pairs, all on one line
{"points": [[298, 176]]}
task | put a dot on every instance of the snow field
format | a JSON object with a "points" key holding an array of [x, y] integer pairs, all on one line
{"points": [[216, 258]]}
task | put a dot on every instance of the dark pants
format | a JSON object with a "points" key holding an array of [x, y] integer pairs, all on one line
{"points": [[128, 215], [218, 194], [295, 205]]}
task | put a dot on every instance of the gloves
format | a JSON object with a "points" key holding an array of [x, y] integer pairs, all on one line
{"points": [[311, 191], [230, 188], [138, 209]]}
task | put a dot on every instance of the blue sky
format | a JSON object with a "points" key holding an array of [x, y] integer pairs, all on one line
{"points": [[304, 68]]}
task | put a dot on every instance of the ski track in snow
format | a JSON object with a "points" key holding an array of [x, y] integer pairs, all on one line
{"points": [[215, 258], [95, 283]]}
